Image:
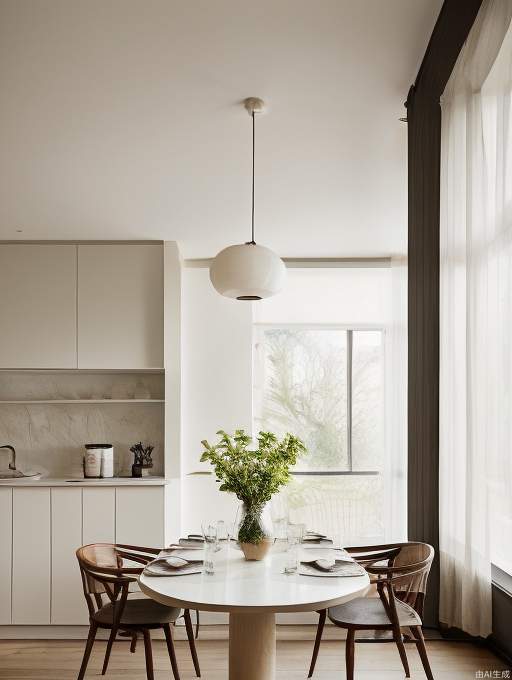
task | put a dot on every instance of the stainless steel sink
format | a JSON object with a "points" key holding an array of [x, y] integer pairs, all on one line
{"points": [[10, 476]]}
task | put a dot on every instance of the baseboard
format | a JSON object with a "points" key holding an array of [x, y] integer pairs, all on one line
{"points": [[48, 633], [497, 649], [208, 620]]}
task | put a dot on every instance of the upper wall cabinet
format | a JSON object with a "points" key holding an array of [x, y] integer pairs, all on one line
{"points": [[38, 306], [120, 306]]}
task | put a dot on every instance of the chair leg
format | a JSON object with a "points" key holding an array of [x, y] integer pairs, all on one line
{"points": [[420, 643], [133, 643], [349, 653], [318, 639], [397, 634], [149, 654], [197, 623], [191, 642], [110, 642], [170, 649], [88, 650]]}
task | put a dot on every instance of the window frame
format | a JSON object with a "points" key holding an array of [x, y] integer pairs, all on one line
{"points": [[350, 329]]}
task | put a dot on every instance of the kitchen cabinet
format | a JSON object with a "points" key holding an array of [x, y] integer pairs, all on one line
{"points": [[38, 306], [82, 306], [67, 599], [31, 556], [5, 555], [40, 531], [140, 516], [99, 514], [120, 306]]}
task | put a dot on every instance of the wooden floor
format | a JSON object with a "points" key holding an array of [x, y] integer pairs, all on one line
{"points": [[60, 659]]}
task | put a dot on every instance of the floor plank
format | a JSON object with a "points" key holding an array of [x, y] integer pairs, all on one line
{"points": [[60, 660]]}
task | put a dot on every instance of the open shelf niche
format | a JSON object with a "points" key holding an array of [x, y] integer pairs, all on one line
{"points": [[49, 415]]}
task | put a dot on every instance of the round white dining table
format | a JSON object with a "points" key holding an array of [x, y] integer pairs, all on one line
{"points": [[252, 593]]}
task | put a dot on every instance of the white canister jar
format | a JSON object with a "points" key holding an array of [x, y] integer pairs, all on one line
{"points": [[99, 460], [107, 461]]}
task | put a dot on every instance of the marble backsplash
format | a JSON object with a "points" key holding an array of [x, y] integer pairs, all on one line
{"points": [[50, 438]]}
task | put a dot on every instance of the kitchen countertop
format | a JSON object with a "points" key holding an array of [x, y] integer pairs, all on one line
{"points": [[79, 482]]}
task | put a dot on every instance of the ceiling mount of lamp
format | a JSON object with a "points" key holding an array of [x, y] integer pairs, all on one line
{"points": [[248, 271]]}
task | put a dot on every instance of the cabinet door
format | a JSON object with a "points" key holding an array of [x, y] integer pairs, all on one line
{"points": [[38, 306], [99, 513], [31, 556], [120, 306], [5, 555], [68, 602], [140, 516]]}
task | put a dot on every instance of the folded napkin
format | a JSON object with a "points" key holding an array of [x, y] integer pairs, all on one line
{"points": [[192, 541], [314, 540], [165, 565], [331, 568], [313, 553], [196, 542]]}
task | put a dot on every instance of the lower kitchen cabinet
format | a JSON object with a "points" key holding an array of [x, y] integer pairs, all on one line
{"points": [[99, 515], [40, 530], [137, 516], [67, 597], [31, 559], [5, 554]]}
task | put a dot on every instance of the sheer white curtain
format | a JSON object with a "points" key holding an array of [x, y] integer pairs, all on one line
{"points": [[476, 318]]}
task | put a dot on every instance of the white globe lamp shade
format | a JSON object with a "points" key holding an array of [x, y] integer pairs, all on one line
{"points": [[247, 272]]}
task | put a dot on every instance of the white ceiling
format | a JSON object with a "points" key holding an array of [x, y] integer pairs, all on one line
{"points": [[120, 119]]}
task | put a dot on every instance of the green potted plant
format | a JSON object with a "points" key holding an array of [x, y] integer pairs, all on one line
{"points": [[254, 476]]}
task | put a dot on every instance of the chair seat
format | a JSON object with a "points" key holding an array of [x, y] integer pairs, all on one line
{"points": [[138, 612], [369, 612]]}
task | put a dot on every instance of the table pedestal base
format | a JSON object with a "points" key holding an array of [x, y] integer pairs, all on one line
{"points": [[252, 646]]}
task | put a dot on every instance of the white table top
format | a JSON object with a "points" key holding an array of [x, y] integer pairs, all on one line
{"points": [[241, 586]]}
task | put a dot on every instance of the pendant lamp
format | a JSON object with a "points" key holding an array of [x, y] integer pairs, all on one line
{"points": [[248, 271]]}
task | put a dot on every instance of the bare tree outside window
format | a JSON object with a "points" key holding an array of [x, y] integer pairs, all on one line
{"points": [[326, 386], [306, 392]]}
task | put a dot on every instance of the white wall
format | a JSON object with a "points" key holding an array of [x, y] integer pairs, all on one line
{"points": [[172, 363], [216, 387]]}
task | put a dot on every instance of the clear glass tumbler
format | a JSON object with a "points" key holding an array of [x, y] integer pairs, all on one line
{"points": [[222, 534], [210, 548], [294, 536]]}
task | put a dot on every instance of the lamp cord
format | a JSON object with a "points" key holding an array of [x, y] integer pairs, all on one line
{"points": [[253, 147]]}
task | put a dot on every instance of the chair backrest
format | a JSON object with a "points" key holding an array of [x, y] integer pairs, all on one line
{"points": [[402, 568], [108, 568]]}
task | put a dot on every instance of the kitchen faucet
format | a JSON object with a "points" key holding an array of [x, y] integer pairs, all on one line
{"points": [[12, 464]]}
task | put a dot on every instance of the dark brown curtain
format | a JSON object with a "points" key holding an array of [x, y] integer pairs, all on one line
{"points": [[424, 150]]}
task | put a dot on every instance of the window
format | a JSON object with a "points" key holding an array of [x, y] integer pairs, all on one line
{"points": [[326, 385]]}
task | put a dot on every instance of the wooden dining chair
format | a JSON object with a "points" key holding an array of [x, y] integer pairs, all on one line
{"points": [[399, 572], [107, 572]]}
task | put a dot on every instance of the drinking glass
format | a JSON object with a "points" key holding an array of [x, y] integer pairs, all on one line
{"points": [[210, 548], [222, 532], [294, 536], [280, 528], [232, 531]]}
